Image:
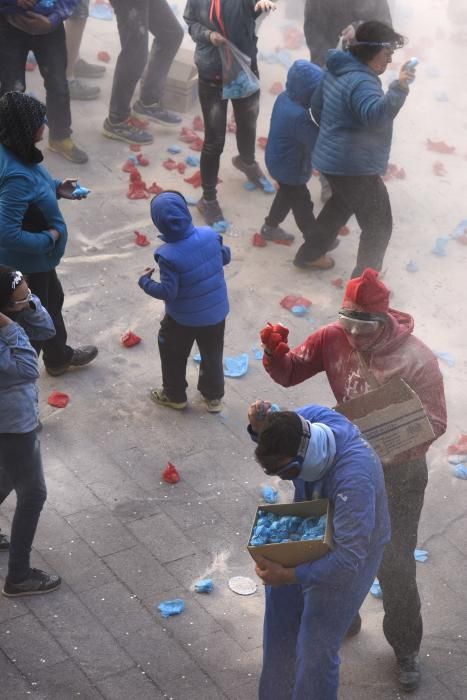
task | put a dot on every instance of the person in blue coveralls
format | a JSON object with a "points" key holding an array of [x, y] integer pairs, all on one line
{"points": [[310, 607]]}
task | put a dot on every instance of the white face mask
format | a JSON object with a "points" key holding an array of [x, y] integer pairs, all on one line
{"points": [[319, 454]]}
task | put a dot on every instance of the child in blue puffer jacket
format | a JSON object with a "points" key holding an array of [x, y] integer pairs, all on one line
{"points": [[193, 287], [291, 140]]}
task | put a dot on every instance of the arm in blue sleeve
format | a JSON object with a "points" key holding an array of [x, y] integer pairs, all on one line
{"points": [[353, 522], [372, 107], [167, 288], [63, 9], [306, 132], [36, 321], [13, 205], [317, 102], [17, 356]]}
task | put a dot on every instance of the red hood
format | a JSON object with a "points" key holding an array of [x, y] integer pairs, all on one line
{"points": [[399, 326]]}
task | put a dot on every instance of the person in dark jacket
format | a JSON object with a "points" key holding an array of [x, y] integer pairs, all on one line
{"points": [[326, 21], [22, 319], [368, 346], [292, 136], [192, 284], [352, 150], [29, 25], [33, 233], [310, 607], [210, 23]]}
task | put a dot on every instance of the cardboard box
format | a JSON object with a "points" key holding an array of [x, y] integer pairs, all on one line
{"points": [[295, 553], [181, 92], [391, 418]]}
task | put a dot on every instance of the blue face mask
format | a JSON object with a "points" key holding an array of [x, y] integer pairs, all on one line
{"points": [[316, 453]]}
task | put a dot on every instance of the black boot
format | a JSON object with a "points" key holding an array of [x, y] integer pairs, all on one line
{"points": [[409, 673]]}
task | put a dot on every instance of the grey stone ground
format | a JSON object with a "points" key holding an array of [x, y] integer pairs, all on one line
{"points": [[121, 539]]}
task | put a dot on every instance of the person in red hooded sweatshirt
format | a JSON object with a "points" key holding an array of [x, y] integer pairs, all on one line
{"points": [[368, 345]]}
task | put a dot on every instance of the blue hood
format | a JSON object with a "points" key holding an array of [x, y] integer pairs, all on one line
{"points": [[302, 79], [342, 62], [171, 216]]}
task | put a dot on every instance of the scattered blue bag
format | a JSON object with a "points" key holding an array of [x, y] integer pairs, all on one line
{"points": [[236, 366], [412, 266], [269, 494], [80, 192], [192, 160], [221, 226], [446, 357], [375, 589], [249, 186], [99, 11], [440, 246], [197, 357], [174, 148], [238, 79], [299, 310], [460, 471], [205, 585], [420, 555], [171, 607], [257, 353]]}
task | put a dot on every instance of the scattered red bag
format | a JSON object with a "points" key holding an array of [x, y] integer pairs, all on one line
{"points": [[135, 175], [142, 160], [170, 164], [155, 188], [292, 300], [30, 66], [258, 241], [293, 38], [181, 167], [459, 447], [139, 123], [128, 166], [195, 179], [262, 142], [170, 474], [103, 56], [129, 339], [338, 283], [188, 135], [135, 147], [137, 190], [439, 146], [198, 123], [197, 145], [58, 400], [276, 88], [439, 169], [141, 239], [344, 231], [274, 338]]}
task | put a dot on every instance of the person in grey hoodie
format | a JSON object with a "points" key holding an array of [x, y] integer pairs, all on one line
{"points": [[22, 318]]}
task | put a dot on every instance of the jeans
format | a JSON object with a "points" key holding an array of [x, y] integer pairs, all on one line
{"points": [[296, 198], [48, 288], [402, 624], [365, 196], [135, 20], [214, 110], [21, 470], [50, 52], [175, 343]]}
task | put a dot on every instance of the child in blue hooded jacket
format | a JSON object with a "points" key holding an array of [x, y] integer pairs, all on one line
{"points": [[192, 284], [291, 140]]}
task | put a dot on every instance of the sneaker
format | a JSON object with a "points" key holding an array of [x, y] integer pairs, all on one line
{"points": [[409, 673], [156, 113], [81, 356], [127, 131], [68, 149], [253, 171], [210, 210], [83, 69], [355, 626], [213, 405], [37, 582], [4, 543], [160, 397], [81, 91], [325, 262], [275, 233]]}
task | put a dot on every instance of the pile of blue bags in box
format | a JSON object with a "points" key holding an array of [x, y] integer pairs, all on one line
{"points": [[272, 529], [241, 86]]}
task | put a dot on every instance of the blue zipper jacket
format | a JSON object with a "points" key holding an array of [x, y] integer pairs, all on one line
{"points": [[28, 207], [292, 134], [191, 261], [56, 10], [19, 368], [355, 118]]}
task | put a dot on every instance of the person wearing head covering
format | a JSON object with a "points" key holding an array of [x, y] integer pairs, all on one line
{"points": [[310, 607], [33, 233], [355, 120], [37, 26], [368, 345], [22, 319], [192, 285]]}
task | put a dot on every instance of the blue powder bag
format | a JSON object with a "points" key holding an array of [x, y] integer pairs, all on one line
{"points": [[238, 79]]}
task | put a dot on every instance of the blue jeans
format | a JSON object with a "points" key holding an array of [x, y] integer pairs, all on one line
{"points": [[303, 631], [21, 471]]}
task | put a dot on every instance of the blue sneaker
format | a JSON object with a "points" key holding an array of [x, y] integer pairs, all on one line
{"points": [[127, 131], [156, 113]]}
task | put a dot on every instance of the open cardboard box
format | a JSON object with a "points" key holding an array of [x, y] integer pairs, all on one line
{"points": [[391, 418], [294, 553]]}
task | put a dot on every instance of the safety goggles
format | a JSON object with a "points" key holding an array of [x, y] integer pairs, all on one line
{"points": [[393, 45], [296, 462], [358, 326]]}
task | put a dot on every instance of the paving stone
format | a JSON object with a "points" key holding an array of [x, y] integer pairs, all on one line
{"points": [[29, 645], [64, 680], [130, 684], [52, 530], [77, 564], [67, 494], [12, 608], [141, 572], [162, 537], [194, 685], [101, 530], [13, 684], [116, 608]]}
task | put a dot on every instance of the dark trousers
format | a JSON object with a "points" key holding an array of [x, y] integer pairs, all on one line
{"points": [[48, 288], [365, 196], [135, 20], [175, 343], [21, 471], [214, 110], [295, 198], [402, 624], [50, 52]]}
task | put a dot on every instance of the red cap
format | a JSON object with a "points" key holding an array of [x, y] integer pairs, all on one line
{"points": [[368, 292]]}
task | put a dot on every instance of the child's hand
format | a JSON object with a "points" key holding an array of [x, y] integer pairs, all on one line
{"points": [[148, 271], [67, 187], [265, 6]]}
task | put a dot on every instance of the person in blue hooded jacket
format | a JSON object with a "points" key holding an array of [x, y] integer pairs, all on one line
{"points": [[192, 285], [292, 136], [309, 608], [356, 117]]}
